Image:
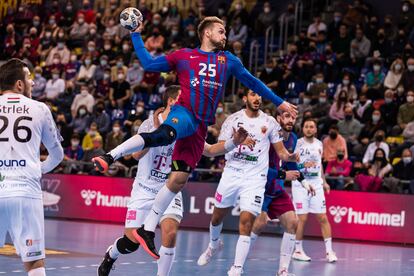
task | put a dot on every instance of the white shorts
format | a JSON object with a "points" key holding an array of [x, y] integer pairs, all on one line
{"points": [[305, 203], [139, 208], [23, 218], [250, 191]]}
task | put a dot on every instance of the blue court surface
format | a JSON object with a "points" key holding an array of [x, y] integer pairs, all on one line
{"points": [[76, 248]]}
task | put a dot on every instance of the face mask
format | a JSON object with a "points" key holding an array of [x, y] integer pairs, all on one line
{"points": [[191, 33], [61, 45], [407, 160], [376, 118], [121, 76], [219, 110], [333, 135], [87, 62], [410, 99], [319, 80], [100, 108], [92, 132], [337, 19], [56, 61], [322, 100], [268, 70], [238, 7], [73, 58], [48, 35], [348, 117], [52, 22], [340, 157], [82, 112], [266, 10], [92, 31], [36, 23], [125, 47], [107, 47], [55, 76], [410, 67], [379, 138], [377, 68], [104, 62], [91, 49], [140, 109], [345, 82], [116, 129], [74, 143], [119, 64], [37, 75], [69, 8], [398, 67], [106, 76], [135, 65], [306, 101], [388, 100], [174, 33], [155, 22], [84, 92], [378, 159], [80, 21]]}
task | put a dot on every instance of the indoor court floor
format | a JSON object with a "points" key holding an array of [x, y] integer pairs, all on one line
{"points": [[76, 248]]}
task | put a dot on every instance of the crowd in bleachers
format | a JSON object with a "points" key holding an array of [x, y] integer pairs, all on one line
{"points": [[353, 72]]}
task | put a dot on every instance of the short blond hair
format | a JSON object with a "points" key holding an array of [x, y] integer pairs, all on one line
{"points": [[207, 22]]}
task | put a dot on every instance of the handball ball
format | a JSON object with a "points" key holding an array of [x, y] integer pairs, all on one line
{"points": [[130, 18]]}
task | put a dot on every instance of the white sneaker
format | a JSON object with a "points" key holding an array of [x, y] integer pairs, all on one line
{"points": [[301, 256], [284, 272], [207, 255], [235, 271], [331, 257]]}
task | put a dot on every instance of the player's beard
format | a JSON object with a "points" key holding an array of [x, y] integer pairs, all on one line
{"points": [[252, 106], [26, 91], [309, 136], [218, 45], [287, 127]]}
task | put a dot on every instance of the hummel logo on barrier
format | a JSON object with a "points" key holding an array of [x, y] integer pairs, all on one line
{"points": [[88, 195], [338, 212]]}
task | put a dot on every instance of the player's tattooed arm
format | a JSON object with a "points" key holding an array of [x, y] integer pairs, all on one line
{"points": [[239, 137]]}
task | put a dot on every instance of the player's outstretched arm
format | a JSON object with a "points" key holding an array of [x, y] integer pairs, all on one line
{"points": [[222, 147], [284, 153], [256, 85], [158, 64]]}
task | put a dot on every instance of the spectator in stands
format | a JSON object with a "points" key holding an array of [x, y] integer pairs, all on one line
{"points": [[119, 66], [96, 150], [34, 38], [84, 98], [74, 151], [79, 31], [406, 111], [56, 64], [39, 83], [64, 101], [363, 108], [87, 142], [338, 107], [316, 87], [120, 91], [266, 18], [126, 52], [72, 68], [221, 116], [238, 32], [390, 29], [115, 137], [190, 39], [373, 125], [373, 82], [348, 86], [393, 78], [155, 40], [100, 68], [389, 110], [360, 48], [378, 168], [340, 45], [378, 143], [11, 40], [69, 15], [381, 46], [397, 47], [55, 86], [316, 27], [87, 69], [238, 10], [271, 75], [349, 127], [356, 14], [64, 129], [406, 17], [80, 121], [320, 111], [340, 167], [91, 51], [403, 170], [407, 79], [135, 74], [173, 17], [101, 118], [333, 143], [28, 52], [87, 11], [371, 29], [61, 50]]}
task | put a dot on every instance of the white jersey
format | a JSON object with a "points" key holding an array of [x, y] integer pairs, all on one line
{"points": [[154, 167], [310, 155], [24, 125], [242, 160]]}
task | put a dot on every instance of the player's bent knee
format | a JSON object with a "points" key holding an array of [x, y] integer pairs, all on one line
{"points": [[323, 219], [126, 246], [162, 136]]}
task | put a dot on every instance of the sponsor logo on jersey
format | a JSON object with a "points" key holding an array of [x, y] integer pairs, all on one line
{"points": [[219, 197], [104, 200], [194, 82], [33, 254], [367, 218], [211, 84], [12, 163], [131, 215], [221, 59], [29, 242], [299, 205], [14, 109], [264, 129], [245, 157], [159, 176]]}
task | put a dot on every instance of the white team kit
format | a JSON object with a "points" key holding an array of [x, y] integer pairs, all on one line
{"points": [[245, 173], [24, 125], [310, 165], [152, 175]]}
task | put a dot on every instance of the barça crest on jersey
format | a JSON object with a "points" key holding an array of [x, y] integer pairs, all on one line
{"points": [[174, 120], [221, 59], [264, 129]]}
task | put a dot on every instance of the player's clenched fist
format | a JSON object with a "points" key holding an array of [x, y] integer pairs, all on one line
{"points": [[241, 136]]}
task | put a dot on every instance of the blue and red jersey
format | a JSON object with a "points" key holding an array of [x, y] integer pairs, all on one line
{"points": [[274, 186], [202, 76]]}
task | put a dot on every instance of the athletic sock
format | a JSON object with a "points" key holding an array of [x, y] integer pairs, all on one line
{"points": [[253, 238], [113, 251], [328, 245], [161, 202], [298, 245], [286, 250], [166, 260], [40, 271], [133, 144], [215, 235], [242, 250]]}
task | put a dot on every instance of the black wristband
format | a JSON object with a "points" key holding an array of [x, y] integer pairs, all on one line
{"points": [[281, 174], [301, 177]]}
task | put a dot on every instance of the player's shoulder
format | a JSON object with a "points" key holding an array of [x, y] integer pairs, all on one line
{"points": [[294, 136], [147, 124], [231, 56], [235, 116], [269, 119], [182, 52]]}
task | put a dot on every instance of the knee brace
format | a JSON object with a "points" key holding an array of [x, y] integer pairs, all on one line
{"points": [[126, 246], [162, 136]]}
